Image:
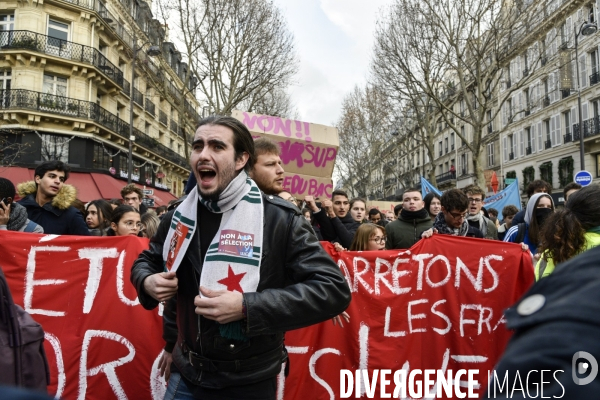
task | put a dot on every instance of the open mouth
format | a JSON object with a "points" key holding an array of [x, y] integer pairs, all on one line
{"points": [[206, 175]]}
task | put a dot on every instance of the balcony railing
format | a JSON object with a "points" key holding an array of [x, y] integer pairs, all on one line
{"points": [[150, 107], [546, 101], [138, 97], [565, 93], [594, 78], [527, 112], [528, 150], [27, 40], [126, 87], [511, 156], [547, 144], [14, 99], [446, 176], [568, 138], [162, 117]]}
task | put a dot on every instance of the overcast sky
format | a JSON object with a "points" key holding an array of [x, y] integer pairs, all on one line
{"points": [[333, 42]]}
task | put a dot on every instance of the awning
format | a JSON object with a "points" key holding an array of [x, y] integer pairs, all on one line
{"points": [[86, 188], [90, 186], [110, 188], [16, 175]]}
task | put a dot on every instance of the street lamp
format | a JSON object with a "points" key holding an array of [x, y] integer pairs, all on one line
{"points": [[586, 29], [152, 52]]}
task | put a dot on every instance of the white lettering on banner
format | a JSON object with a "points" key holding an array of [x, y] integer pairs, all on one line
{"points": [[157, 382], [30, 282], [387, 275], [412, 316], [281, 376], [358, 275], [442, 316], [386, 327], [313, 373], [107, 368], [60, 365], [120, 283], [96, 257]]}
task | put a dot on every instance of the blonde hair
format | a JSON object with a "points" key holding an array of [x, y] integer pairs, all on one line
{"points": [[363, 235]]}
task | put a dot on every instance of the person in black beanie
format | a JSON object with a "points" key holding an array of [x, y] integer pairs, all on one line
{"points": [[412, 221]]}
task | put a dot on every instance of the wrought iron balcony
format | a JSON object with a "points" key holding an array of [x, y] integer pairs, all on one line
{"points": [[138, 97], [150, 107], [126, 87], [162, 117], [547, 144], [565, 93], [528, 150], [568, 138], [27, 40], [511, 156], [15, 99], [446, 176], [527, 112], [546, 101], [594, 78]]}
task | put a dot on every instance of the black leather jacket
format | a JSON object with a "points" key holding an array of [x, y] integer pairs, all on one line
{"points": [[300, 285]]}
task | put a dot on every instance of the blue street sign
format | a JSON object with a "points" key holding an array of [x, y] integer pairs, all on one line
{"points": [[584, 178]]}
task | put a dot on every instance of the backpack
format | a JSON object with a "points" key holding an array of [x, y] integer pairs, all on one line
{"points": [[520, 233], [23, 360]]}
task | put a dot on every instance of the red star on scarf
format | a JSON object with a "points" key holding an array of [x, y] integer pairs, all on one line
{"points": [[233, 281]]}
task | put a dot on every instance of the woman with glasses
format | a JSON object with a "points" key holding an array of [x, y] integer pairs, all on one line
{"points": [[369, 237], [125, 221], [539, 208]]}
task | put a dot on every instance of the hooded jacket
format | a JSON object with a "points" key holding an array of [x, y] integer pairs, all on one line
{"points": [[57, 217]]}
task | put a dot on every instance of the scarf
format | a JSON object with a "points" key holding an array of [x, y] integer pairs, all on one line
{"points": [[412, 215], [232, 261], [481, 220], [18, 217], [443, 228]]}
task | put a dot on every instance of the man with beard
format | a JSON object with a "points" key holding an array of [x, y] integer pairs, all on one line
{"points": [[412, 221], [476, 218], [244, 267], [267, 171], [335, 221]]}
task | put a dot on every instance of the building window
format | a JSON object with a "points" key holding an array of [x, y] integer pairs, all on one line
{"points": [[5, 85], [102, 159], [55, 85], [55, 147], [58, 33], [7, 22], [147, 174], [598, 165], [490, 154]]}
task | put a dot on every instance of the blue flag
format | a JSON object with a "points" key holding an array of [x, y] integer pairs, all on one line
{"points": [[510, 195], [427, 187]]}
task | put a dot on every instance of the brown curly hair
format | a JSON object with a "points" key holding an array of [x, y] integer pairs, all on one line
{"points": [[563, 232]]}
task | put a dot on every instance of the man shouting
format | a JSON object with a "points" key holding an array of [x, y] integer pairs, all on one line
{"points": [[245, 267]]}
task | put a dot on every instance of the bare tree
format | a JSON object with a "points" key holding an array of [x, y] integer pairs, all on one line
{"points": [[459, 56], [276, 103], [364, 133], [10, 149], [240, 50]]}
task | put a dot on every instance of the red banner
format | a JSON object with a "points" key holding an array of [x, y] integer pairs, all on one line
{"points": [[436, 307]]}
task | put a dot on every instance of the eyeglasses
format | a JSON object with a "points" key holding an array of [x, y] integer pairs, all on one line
{"points": [[472, 200], [132, 225], [378, 239], [459, 215]]}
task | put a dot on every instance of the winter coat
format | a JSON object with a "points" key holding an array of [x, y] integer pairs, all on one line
{"points": [[299, 285], [57, 217], [340, 230], [403, 233]]}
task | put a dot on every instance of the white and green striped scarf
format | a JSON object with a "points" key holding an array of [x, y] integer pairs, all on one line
{"points": [[232, 261]]}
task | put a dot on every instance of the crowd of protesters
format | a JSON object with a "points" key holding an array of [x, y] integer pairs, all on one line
{"points": [[552, 235]]}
